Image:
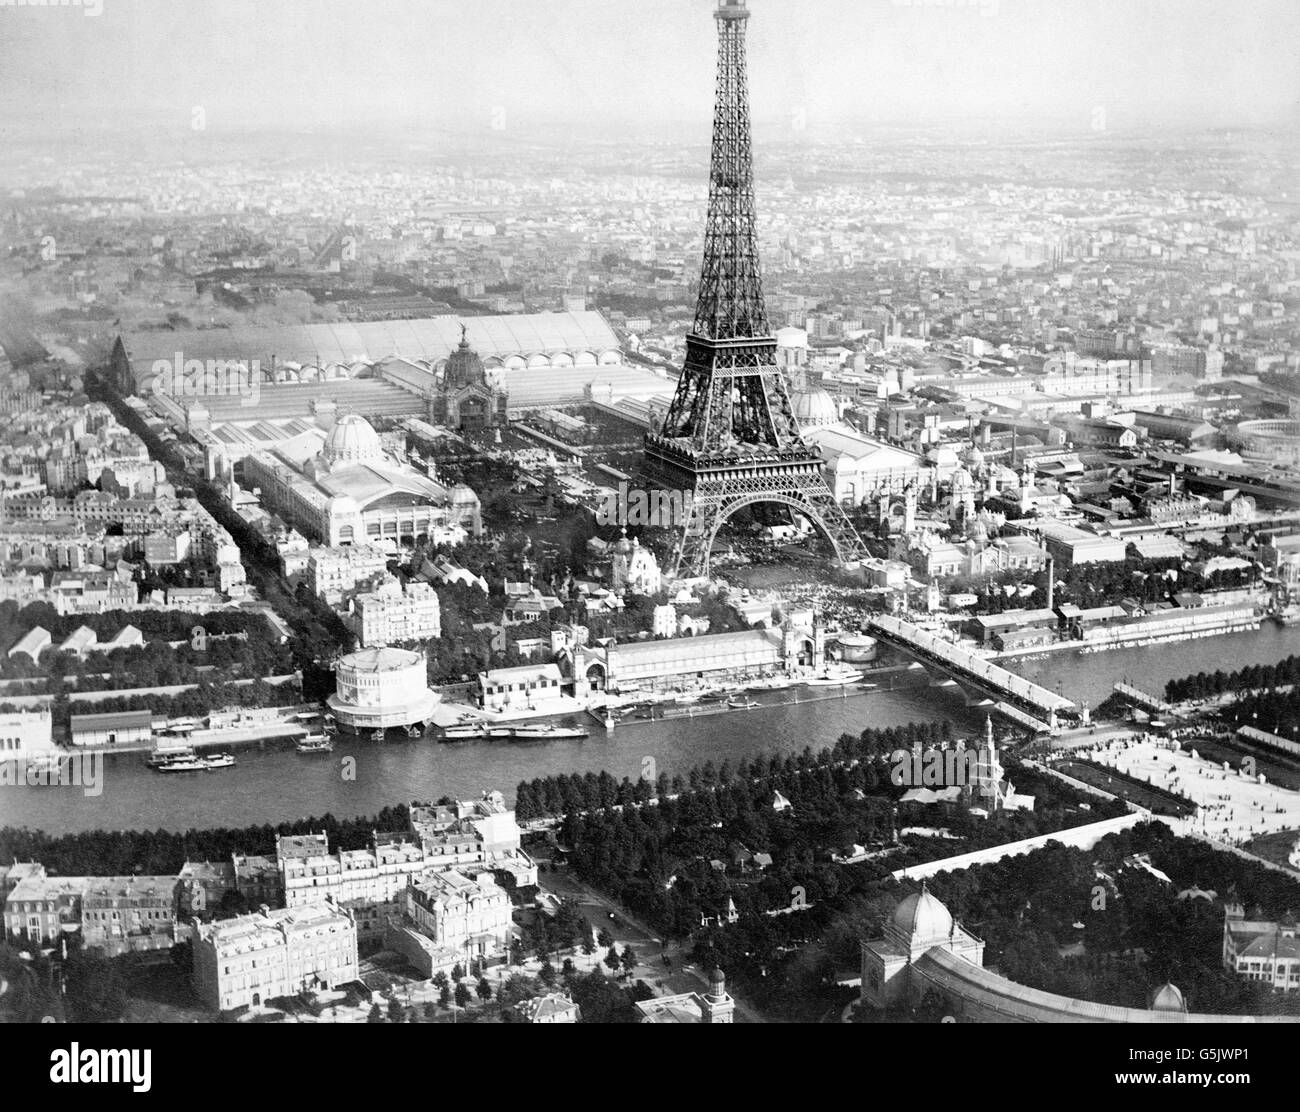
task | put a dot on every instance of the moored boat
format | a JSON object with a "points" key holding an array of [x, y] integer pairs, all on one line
{"points": [[160, 757], [835, 677], [546, 733], [218, 760], [185, 764], [462, 733], [315, 743]]}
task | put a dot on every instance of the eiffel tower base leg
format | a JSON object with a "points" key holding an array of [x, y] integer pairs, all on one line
{"points": [[714, 502]]}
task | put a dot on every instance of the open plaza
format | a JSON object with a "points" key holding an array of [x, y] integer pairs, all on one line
{"points": [[1232, 805]]}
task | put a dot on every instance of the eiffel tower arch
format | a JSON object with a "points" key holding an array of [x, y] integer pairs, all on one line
{"points": [[730, 437], [715, 502]]}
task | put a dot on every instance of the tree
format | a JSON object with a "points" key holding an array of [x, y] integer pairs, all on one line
{"points": [[517, 987], [440, 979], [463, 996], [94, 989], [396, 1013], [600, 1000], [588, 943], [611, 959], [605, 939], [568, 970], [444, 997], [458, 972], [28, 997], [484, 990], [547, 974], [430, 1011], [628, 959], [376, 1014], [517, 954]]}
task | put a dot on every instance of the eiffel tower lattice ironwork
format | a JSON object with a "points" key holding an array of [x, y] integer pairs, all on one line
{"points": [[730, 437]]}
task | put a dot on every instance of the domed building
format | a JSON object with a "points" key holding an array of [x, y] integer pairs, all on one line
{"points": [[340, 487], [858, 468], [466, 399], [379, 688], [920, 922], [926, 954], [352, 441], [814, 408]]}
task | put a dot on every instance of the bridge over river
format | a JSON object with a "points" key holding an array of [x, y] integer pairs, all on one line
{"points": [[1012, 696]]}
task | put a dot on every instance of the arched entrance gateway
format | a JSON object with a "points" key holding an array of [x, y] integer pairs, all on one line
{"points": [[706, 522], [475, 415]]}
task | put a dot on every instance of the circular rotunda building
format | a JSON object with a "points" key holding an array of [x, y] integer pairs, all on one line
{"points": [[381, 688]]}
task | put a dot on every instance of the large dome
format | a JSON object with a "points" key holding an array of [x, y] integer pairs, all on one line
{"points": [[920, 915], [464, 367], [352, 440], [814, 407]]}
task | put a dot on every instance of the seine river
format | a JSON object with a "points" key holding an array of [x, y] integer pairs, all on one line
{"points": [[277, 784]]}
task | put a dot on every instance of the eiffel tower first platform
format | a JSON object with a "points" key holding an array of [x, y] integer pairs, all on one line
{"points": [[730, 437]]}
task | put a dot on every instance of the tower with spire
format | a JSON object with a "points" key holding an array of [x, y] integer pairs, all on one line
{"points": [[731, 436]]}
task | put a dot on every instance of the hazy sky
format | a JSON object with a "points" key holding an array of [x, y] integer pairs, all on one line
{"points": [[453, 63]]}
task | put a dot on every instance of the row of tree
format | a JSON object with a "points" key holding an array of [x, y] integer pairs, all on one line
{"points": [[551, 796], [162, 852], [1255, 677]]}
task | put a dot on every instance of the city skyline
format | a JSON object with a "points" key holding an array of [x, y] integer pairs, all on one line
{"points": [[587, 66]]}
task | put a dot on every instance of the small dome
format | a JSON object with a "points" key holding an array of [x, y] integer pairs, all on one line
{"points": [[352, 440], [814, 407], [920, 915], [461, 494], [1168, 998]]}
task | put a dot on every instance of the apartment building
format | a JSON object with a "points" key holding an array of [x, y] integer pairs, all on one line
{"points": [[455, 912], [40, 909], [332, 572], [131, 914], [368, 882], [251, 959], [395, 613]]}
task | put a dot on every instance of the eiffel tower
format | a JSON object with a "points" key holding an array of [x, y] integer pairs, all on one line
{"points": [[730, 437]]}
